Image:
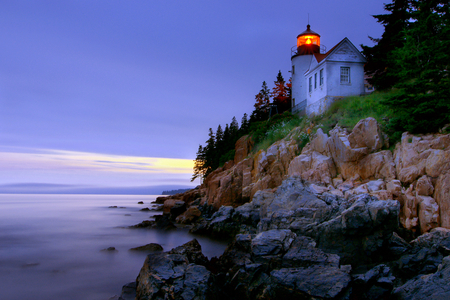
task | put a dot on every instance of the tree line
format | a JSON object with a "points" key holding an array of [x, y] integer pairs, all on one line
{"points": [[219, 148], [412, 60]]}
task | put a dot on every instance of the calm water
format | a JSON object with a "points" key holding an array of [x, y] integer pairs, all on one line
{"points": [[50, 245]]}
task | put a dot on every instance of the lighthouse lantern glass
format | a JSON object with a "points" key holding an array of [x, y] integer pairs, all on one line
{"points": [[308, 40]]}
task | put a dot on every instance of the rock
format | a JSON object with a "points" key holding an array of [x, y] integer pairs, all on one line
{"points": [[376, 185], [339, 147], [110, 249], [376, 283], [428, 213], [409, 174], [425, 255], [316, 189], [144, 224], [366, 133], [432, 286], [189, 216], [128, 291], [319, 142], [177, 209], [424, 186], [145, 209], [140, 202], [152, 247], [394, 187], [437, 162], [303, 253], [441, 195], [163, 222], [242, 148], [310, 283], [192, 250], [175, 275], [272, 242]]}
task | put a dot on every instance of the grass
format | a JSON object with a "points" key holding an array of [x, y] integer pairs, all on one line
{"points": [[345, 112], [265, 133], [348, 111]]}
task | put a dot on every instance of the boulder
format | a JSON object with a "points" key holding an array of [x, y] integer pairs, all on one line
{"points": [[424, 186], [394, 187], [272, 242], [242, 148], [428, 213], [366, 133], [152, 247], [431, 286], [340, 148], [314, 282], [189, 216], [442, 197]]}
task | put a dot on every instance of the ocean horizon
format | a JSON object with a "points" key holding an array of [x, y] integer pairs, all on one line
{"points": [[51, 245], [68, 189]]}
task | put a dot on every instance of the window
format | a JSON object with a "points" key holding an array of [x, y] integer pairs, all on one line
{"points": [[321, 77], [310, 84], [315, 81], [293, 69], [345, 75]]}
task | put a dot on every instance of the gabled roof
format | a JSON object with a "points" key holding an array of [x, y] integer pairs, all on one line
{"points": [[321, 57]]}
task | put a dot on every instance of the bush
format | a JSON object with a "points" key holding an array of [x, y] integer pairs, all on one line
{"points": [[266, 133]]}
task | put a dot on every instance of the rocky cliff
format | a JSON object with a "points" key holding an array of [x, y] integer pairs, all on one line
{"points": [[335, 219], [416, 173]]}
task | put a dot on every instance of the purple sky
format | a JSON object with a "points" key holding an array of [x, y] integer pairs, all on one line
{"points": [[143, 79]]}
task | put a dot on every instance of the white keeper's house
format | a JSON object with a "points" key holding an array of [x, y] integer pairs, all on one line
{"points": [[318, 78]]}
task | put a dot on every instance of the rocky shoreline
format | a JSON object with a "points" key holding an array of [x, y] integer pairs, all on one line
{"points": [[338, 219], [295, 243]]}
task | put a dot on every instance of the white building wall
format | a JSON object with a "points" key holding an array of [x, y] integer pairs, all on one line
{"points": [[338, 89], [300, 66], [318, 93]]}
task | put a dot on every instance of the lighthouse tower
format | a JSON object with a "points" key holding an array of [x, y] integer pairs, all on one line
{"points": [[308, 43]]}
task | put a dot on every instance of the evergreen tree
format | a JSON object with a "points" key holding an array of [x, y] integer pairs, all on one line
{"points": [[199, 164], [234, 129], [244, 125], [226, 137], [280, 94], [210, 153], [423, 101], [261, 111], [219, 136], [380, 61]]}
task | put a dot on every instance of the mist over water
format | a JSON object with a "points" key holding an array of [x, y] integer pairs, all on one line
{"points": [[50, 245]]}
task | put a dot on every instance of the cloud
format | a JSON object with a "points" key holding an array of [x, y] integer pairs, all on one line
{"points": [[70, 160], [19, 165]]}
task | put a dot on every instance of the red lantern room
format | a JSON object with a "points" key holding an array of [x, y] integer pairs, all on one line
{"points": [[308, 42]]}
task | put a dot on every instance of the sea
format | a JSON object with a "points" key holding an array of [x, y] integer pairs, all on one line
{"points": [[52, 246]]}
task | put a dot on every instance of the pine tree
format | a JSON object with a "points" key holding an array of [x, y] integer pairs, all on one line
{"points": [[226, 138], [380, 61], [262, 103], [423, 101], [199, 164], [219, 136], [234, 128], [244, 125], [280, 94], [210, 153]]}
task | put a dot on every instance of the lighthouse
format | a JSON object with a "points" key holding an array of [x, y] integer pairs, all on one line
{"points": [[319, 78], [308, 43]]}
